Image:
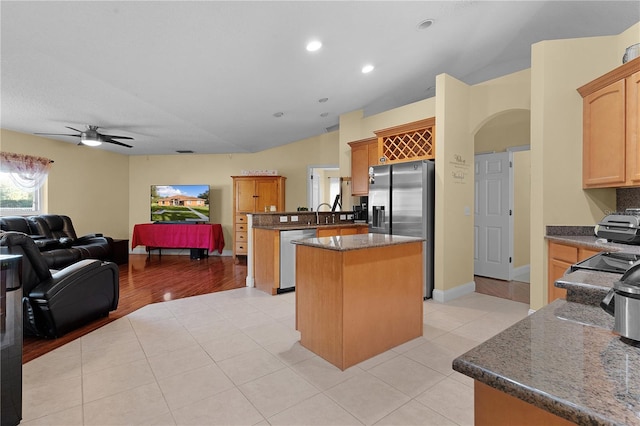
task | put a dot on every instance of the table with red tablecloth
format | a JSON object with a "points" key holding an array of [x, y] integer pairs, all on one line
{"points": [[171, 235]]}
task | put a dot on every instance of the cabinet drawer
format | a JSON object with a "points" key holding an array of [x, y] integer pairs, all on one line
{"points": [[241, 218], [241, 248], [562, 252], [242, 227], [241, 237]]}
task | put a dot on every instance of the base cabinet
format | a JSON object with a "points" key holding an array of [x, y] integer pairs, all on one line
{"points": [[561, 257], [495, 408]]}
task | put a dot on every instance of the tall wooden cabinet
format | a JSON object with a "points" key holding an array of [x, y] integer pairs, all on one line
{"points": [[611, 128], [252, 194], [364, 154]]}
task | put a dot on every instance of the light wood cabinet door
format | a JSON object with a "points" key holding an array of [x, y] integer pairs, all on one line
{"points": [[611, 151], [363, 153], [251, 194], [604, 136], [633, 129], [561, 257]]}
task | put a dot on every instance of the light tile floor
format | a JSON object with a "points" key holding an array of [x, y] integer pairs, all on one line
{"points": [[233, 358]]}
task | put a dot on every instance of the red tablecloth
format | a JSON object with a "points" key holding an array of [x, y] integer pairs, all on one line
{"points": [[153, 235]]}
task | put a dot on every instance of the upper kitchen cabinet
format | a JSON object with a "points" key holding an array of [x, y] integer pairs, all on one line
{"points": [[252, 194], [408, 142], [364, 154], [611, 153]]}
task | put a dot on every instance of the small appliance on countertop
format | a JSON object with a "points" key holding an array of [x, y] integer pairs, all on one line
{"points": [[623, 302], [620, 228]]}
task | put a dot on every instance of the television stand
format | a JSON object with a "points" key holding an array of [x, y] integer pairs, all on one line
{"points": [[203, 236]]}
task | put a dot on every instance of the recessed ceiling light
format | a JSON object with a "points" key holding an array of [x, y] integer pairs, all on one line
{"points": [[424, 24], [323, 100], [367, 69], [324, 114], [314, 45], [278, 114]]}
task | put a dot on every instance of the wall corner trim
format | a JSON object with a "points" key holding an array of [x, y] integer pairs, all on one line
{"points": [[444, 296]]}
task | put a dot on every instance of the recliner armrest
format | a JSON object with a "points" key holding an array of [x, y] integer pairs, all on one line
{"points": [[48, 289]]}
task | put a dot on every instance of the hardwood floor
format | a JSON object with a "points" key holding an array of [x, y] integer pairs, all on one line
{"points": [[160, 278], [149, 280], [512, 290]]}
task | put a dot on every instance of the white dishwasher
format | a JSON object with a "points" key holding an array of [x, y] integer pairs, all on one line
{"points": [[288, 256]]}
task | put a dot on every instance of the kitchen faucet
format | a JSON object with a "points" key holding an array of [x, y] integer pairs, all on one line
{"points": [[317, 211]]}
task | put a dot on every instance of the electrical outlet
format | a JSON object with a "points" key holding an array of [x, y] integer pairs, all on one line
{"points": [[283, 219], [349, 217], [343, 217], [294, 218]]}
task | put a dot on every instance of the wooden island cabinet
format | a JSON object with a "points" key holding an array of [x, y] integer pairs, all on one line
{"points": [[253, 194], [358, 296], [611, 128]]}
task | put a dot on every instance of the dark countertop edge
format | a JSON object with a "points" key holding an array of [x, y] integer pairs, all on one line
{"points": [[307, 226], [590, 242], [560, 407], [314, 242]]}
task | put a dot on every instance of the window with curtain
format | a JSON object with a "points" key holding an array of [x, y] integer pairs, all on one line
{"points": [[21, 180]]}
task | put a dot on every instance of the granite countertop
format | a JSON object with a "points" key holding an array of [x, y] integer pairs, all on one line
{"points": [[356, 242], [300, 225], [594, 243], [587, 287], [564, 359]]}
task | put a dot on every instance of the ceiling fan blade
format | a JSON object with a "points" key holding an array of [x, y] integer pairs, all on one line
{"points": [[56, 134], [109, 140], [117, 137], [79, 131]]}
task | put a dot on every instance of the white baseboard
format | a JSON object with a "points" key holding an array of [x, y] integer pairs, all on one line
{"points": [[521, 270], [444, 296]]}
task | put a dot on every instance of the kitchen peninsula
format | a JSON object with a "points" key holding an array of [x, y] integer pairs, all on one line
{"points": [[561, 365], [358, 295]]}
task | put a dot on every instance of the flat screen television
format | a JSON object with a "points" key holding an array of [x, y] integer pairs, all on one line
{"points": [[179, 203]]}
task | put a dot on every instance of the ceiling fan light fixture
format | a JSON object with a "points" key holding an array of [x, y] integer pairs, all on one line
{"points": [[90, 141]]}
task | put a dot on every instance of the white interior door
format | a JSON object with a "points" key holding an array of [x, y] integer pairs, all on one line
{"points": [[493, 249]]}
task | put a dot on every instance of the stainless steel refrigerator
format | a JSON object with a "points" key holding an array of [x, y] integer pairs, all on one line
{"points": [[401, 202]]}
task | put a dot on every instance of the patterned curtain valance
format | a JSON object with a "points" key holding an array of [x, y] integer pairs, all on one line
{"points": [[28, 172]]}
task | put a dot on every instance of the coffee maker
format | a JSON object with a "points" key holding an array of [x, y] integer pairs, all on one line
{"points": [[360, 211]]}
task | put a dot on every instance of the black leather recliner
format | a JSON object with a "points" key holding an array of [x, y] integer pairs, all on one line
{"points": [[60, 227], [56, 254], [55, 303]]}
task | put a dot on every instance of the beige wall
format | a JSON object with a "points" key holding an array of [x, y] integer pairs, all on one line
{"points": [[558, 69], [513, 128], [216, 170], [90, 186], [521, 208]]}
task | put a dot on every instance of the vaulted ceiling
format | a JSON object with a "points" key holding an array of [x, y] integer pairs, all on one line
{"points": [[212, 76]]}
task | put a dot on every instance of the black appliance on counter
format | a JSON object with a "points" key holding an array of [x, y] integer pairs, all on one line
{"points": [[620, 228], [360, 212], [616, 262]]}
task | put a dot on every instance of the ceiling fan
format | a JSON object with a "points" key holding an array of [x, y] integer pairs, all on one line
{"points": [[91, 137]]}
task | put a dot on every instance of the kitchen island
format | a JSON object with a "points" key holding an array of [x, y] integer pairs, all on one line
{"points": [[358, 295], [561, 365]]}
